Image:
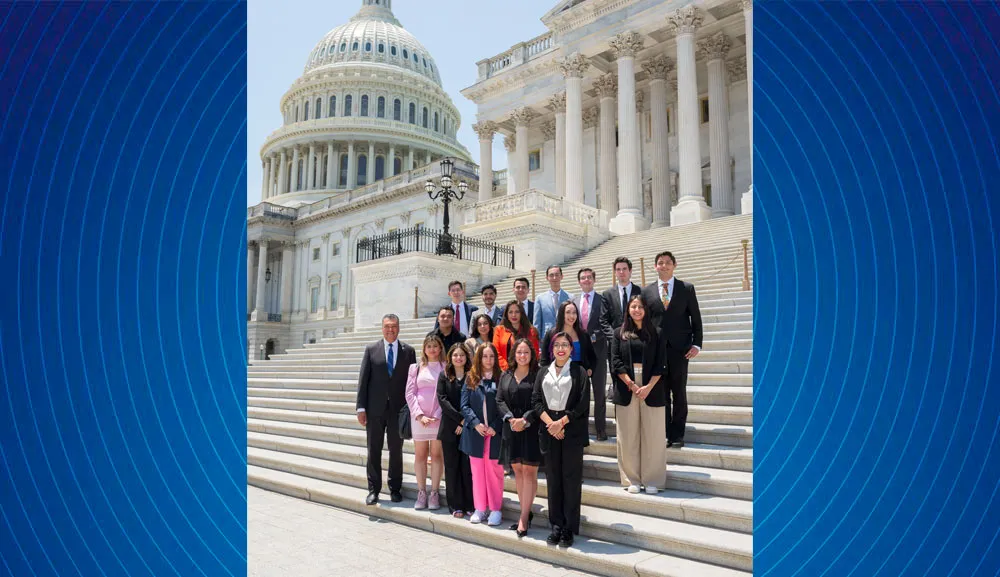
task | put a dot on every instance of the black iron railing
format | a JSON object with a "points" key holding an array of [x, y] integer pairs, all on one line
{"points": [[420, 239], [274, 317]]}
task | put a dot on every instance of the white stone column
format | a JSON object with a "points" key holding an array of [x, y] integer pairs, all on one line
{"points": [[510, 144], [521, 117], [657, 69], [258, 312], [409, 162], [283, 172], [573, 67], [310, 168], [691, 206], [746, 203], [557, 104], [629, 218], [607, 89], [370, 167], [293, 187], [390, 168], [331, 167], [296, 263], [427, 157], [287, 270], [304, 277], [714, 49], [352, 171], [272, 171], [250, 277], [485, 130], [265, 173], [324, 283]]}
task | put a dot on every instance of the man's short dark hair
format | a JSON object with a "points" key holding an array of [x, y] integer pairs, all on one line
{"points": [[390, 317], [522, 279], [665, 253], [446, 308], [552, 266], [583, 270], [625, 260], [489, 287], [455, 282]]}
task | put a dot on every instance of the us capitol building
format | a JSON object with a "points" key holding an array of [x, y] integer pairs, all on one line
{"points": [[625, 115]]}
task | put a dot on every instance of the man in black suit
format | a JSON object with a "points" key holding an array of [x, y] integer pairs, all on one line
{"points": [[616, 298], [463, 310], [381, 395], [591, 308], [521, 286], [674, 307]]}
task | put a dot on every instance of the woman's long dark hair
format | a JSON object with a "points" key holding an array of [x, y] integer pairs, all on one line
{"points": [[512, 359], [449, 368], [561, 320], [629, 330], [475, 327], [475, 374], [524, 330]]}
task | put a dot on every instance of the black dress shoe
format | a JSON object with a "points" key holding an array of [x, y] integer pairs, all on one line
{"points": [[567, 538], [554, 536], [513, 527], [602, 436], [396, 497], [677, 444], [371, 499]]}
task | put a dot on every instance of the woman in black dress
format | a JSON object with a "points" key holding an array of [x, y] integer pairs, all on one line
{"points": [[562, 400], [520, 435], [457, 470]]}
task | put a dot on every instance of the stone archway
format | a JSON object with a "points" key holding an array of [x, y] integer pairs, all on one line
{"points": [[269, 347]]}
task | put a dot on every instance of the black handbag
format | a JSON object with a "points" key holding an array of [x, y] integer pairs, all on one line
{"points": [[405, 428]]}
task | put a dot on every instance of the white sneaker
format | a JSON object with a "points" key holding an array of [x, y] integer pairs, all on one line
{"points": [[634, 489], [495, 518], [477, 517], [651, 490]]}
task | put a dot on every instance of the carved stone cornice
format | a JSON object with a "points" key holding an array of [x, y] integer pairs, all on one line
{"points": [[606, 85], [325, 237], [737, 68], [557, 103], [714, 47], [549, 129], [658, 67], [590, 117], [522, 116], [485, 129], [510, 143], [626, 44], [686, 20], [574, 65]]}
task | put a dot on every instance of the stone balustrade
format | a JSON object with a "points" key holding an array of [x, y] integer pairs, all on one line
{"points": [[518, 54], [534, 200]]}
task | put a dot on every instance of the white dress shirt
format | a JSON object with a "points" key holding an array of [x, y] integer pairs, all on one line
{"points": [[395, 355], [670, 294], [556, 386], [460, 318], [624, 297]]}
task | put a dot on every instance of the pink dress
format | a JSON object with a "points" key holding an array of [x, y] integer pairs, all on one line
{"points": [[421, 396]]}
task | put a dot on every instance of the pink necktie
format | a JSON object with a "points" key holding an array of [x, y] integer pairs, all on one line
{"points": [[586, 310]]}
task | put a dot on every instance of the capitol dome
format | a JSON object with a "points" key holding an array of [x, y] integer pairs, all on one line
{"points": [[369, 106]]}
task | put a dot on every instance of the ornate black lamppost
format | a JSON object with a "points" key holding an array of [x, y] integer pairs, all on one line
{"points": [[446, 194]]}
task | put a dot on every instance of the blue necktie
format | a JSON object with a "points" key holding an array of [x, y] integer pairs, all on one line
{"points": [[389, 359]]}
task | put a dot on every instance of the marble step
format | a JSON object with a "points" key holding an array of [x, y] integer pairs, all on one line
{"points": [[589, 554], [341, 357], [352, 368], [312, 380]]}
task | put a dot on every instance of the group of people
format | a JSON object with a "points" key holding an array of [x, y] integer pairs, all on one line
{"points": [[510, 388]]}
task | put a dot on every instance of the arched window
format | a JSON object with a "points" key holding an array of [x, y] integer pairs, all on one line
{"points": [[397, 165], [306, 112], [354, 47], [397, 110], [333, 106], [425, 117], [425, 62], [364, 105], [368, 46], [392, 50], [347, 105], [381, 48], [413, 113], [362, 169], [343, 46], [379, 167], [381, 107], [416, 57], [406, 53], [342, 181], [436, 122], [319, 108]]}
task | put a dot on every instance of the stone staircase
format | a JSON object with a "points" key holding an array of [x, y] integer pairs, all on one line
{"points": [[304, 439]]}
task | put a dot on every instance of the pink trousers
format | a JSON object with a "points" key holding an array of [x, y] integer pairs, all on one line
{"points": [[487, 480]]}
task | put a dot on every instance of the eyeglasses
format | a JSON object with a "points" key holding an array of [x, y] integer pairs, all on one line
{"points": [[562, 346]]}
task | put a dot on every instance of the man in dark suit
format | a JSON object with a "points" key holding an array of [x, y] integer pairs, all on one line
{"points": [[616, 298], [521, 286], [463, 310], [381, 395], [674, 308], [591, 307], [446, 329], [490, 308]]}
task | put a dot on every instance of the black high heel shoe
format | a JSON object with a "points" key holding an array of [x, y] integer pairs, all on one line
{"points": [[531, 516]]}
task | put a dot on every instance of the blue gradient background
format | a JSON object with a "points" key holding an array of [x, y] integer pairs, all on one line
{"points": [[123, 255], [877, 187]]}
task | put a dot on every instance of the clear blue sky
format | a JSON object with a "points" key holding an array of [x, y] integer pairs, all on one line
{"points": [[458, 33]]}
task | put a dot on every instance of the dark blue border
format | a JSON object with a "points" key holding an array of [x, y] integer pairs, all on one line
{"points": [[876, 406], [122, 257]]}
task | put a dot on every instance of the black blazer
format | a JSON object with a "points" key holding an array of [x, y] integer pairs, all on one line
{"points": [[588, 356], [449, 394], [594, 328], [577, 407], [613, 315], [375, 386], [529, 308], [653, 363], [680, 324], [506, 391], [469, 309], [452, 338]]}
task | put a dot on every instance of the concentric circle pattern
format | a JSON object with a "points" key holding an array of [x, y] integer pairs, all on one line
{"points": [[877, 186], [122, 254]]}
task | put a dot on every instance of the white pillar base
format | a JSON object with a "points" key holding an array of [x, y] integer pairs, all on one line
{"points": [[657, 224], [256, 315], [626, 223], [688, 210], [746, 203]]}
